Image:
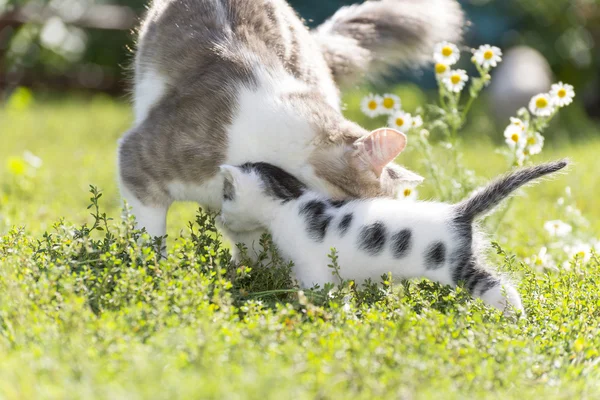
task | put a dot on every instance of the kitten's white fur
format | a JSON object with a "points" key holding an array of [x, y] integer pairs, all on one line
{"points": [[427, 221]]}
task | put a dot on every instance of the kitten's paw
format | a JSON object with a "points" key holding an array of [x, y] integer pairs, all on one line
{"points": [[505, 298]]}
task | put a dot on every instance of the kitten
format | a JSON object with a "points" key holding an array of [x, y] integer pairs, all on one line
{"points": [[235, 81], [372, 236]]}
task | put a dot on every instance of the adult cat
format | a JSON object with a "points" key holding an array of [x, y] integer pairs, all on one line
{"points": [[235, 81]]}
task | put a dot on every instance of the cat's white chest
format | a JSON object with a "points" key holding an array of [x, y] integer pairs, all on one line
{"points": [[264, 128]]}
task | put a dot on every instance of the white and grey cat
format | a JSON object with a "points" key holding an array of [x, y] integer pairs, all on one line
{"points": [[437, 241], [235, 81]]}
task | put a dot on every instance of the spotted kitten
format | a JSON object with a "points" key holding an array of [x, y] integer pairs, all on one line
{"points": [[373, 236]]}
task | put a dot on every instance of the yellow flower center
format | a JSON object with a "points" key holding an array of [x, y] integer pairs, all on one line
{"points": [[407, 192], [399, 121], [372, 105], [388, 102], [488, 54], [514, 137], [16, 166], [581, 254], [447, 51], [531, 140], [561, 92], [455, 79], [538, 261], [541, 102], [440, 68], [526, 152]]}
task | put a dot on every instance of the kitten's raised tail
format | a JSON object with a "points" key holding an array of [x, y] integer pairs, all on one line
{"points": [[490, 196], [369, 39]]}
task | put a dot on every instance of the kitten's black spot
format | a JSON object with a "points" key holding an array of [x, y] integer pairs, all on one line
{"points": [[401, 243], [228, 190], [317, 221], [435, 255], [372, 238], [344, 224], [392, 174], [278, 183], [338, 203]]}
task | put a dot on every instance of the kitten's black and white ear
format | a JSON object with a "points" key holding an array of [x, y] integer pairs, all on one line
{"points": [[229, 173], [379, 148], [404, 176]]}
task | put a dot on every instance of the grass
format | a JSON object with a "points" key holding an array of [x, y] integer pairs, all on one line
{"points": [[91, 313]]}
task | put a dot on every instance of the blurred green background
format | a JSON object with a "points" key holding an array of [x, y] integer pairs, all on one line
{"points": [[86, 44]]}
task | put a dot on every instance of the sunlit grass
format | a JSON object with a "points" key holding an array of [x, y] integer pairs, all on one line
{"points": [[90, 315]]}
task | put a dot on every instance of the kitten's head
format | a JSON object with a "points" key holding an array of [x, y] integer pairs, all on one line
{"points": [[363, 167], [250, 192]]}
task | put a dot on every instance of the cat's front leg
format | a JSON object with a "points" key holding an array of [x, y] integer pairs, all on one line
{"points": [[148, 216]]}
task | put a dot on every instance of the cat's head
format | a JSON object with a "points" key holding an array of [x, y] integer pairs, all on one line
{"points": [[363, 167], [251, 191]]}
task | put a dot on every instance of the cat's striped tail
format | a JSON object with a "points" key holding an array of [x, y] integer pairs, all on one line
{"points": [[370, 39], [485, 199]]}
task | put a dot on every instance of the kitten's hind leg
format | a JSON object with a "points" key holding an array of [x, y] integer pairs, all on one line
{"points": [[491, 289]]}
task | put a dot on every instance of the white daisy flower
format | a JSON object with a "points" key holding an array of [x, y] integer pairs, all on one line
{"points": [[390, 102], [400, 120], [558, 228], [521, 155], [407, 192], [541, 105], [417, 121], [455, 80], [371, 105], [568, 191], [515, 134], [446, 53], [582, 251], [535, 143], [488, 56], [542, 259], [562, 94], [441, 69]]}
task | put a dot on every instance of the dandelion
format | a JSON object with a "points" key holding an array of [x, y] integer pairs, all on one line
{"points": [[562, 94], [541, 105], [535, 143], [400, 120], [390, 102], [371, 105], [455, 80], [417, 121], [446, 53], [407, 192], [488, 56], [558, 228], [441, 69]]}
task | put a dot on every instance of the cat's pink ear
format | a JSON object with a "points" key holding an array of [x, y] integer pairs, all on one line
{"points": [[380, 147]]}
